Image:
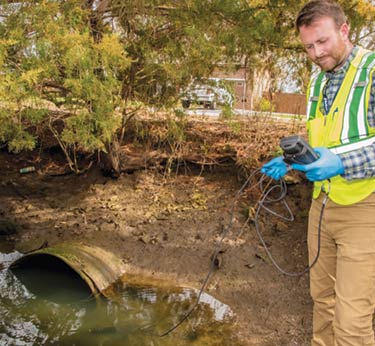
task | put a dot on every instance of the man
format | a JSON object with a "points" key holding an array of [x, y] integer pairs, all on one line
{"points": [[341, 127]]}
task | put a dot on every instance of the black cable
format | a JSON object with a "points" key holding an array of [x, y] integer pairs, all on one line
{"points": [[262, 205], [213, 258]]}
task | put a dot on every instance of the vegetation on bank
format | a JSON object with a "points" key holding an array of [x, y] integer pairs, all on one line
{"points": [[82, 70]]}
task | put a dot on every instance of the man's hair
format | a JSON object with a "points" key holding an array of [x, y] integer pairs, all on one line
{"points": [[317, 9]]}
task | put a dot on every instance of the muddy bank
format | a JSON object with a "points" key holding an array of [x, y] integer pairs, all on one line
{"points": [[167, 227]]}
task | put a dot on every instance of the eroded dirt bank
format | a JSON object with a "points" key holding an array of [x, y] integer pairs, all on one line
{"points": [[167, 227]]}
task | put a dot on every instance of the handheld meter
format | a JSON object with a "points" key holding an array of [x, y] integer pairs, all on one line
{"points": [[297, 150]]}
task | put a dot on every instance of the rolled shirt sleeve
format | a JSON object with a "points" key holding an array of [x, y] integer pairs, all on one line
{"points": [[359, 164]]}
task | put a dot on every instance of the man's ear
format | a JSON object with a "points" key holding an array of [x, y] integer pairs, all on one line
{"points": [[344, 30]]}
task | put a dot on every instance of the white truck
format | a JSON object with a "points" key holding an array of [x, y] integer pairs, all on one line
{"points": [[209, 94]]}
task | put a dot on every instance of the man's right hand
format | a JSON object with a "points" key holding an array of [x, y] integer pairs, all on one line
{"points": [[276, 168]]}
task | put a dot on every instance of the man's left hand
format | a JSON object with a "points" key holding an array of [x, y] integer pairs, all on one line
{"points": [[328, 165]]}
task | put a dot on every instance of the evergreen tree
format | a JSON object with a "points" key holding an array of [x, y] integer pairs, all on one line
{"points": [[81, 68]]}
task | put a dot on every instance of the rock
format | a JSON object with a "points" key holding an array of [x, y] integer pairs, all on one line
{"points": [[281, 226]]}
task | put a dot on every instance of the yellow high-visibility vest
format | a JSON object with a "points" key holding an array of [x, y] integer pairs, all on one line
{"points": [[345, 127]]}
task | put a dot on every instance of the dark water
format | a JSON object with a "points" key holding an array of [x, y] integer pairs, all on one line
{"points": [[64, 313]]}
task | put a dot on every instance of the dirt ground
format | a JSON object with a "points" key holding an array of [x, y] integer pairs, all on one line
{"points": [[167, 227]]}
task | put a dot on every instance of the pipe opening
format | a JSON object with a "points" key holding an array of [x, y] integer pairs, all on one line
{"points": [[49, 277]]}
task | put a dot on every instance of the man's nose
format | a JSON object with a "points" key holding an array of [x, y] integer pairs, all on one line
{"points": [[319, 51]]}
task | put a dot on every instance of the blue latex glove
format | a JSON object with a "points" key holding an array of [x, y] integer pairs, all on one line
{"points": [[276, 168], [328, 165]]}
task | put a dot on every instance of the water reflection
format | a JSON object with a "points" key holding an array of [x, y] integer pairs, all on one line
{"points": [[136, 315]]}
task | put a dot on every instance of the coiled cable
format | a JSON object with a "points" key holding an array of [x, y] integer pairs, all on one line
{"points": [[262, 204]]}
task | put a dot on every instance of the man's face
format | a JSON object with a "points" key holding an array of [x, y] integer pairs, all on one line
{"points": [[325, 44]]}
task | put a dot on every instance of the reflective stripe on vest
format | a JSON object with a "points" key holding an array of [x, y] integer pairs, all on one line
{"points": [[345, 127]]}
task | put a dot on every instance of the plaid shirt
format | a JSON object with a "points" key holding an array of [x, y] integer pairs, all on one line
{"points": [[358, 163]]}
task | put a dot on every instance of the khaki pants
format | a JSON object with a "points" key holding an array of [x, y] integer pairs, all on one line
{"points": [[342, 282]]}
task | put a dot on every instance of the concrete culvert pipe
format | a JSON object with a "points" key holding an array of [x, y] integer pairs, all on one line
{"points": [[73, 270]]}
